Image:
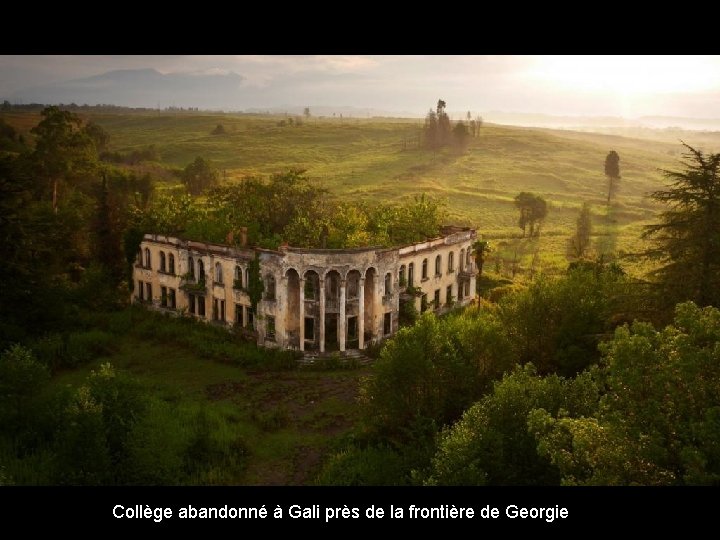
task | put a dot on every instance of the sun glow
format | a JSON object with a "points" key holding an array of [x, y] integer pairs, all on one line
{"points": [[628, 76]]}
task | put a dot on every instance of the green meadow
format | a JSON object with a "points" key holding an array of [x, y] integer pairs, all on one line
{"points": [[381, 159]]}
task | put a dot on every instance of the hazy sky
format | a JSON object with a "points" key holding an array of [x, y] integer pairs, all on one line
{"points": [[564, 85]]}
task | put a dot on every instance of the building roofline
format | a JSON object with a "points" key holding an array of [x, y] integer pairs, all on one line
{"points": [[447, 230]]}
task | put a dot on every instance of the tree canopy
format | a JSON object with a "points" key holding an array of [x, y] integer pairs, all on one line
{"points": [[687, 238]]}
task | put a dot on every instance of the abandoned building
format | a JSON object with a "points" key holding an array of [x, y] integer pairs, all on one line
{"points": [[314, 299]]}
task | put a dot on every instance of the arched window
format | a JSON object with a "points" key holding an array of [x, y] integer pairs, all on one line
{"points": [[218, 273], [438, 263], [451, 261], [191, 268], [411, 274], [147, 258], [401, 276], [461, 262], [247, 277], [201, 270], [269, 287], [238, 283], [163, 266], [388, 283], [424, 269], [171, 264]]}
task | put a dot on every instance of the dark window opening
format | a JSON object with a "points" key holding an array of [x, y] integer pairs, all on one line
{"points": [[163, 266], [141, 291], [448, 295], [270, 328], [438, 266], [171, 298], [436, 300], [387, 323], [423, 303], [171, 264], [388, 283], [239, 314], [309, 289], [352, 328], [163, 296], [270, 288], [191, 303], [148, 291], [310, 328], [201, 305], [424, 269]]}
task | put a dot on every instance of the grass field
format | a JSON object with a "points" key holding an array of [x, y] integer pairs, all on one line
{"points": [[283, 421], [379, 159]]}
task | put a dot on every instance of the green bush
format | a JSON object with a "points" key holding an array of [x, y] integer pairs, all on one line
{"points": [[83, 347], [371, 466]]}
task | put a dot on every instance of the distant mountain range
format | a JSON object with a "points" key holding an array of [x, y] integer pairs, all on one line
{"points": [[229, 92]]}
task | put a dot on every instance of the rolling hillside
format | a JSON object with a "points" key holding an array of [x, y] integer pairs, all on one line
{"points": [[371, 159]]}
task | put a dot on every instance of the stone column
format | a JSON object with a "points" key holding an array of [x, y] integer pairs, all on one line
{"points": [[282, 304], [321, 330], [361, 314], [341, 317], [301, 316]]}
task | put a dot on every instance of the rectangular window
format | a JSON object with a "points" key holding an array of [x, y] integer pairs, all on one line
{"points": [[387, 323], [309, 328], [423, 303], [436, 300], [467, 288], [191, 303], [239, 314], [141, 291], [171, 297], [163, 296], [215, 313], [270, 328], [460, 292], [148, 291], [201, 305], [222, 310], [352, 328], [309, 290], [448, 295]]}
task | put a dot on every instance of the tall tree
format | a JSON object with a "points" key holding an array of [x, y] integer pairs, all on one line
{"points": [[444, 127], [199, 176], [481, 248], [579, 243], [533, 211], [62, 148], [430, 130], [612, 171], [687, 239], [460, 134]]}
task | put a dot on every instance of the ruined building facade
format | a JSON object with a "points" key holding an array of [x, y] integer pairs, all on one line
{"points": [[314, 299]]}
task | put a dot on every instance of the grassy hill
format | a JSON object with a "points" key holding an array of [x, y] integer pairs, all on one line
{"points": [[380, 159]]}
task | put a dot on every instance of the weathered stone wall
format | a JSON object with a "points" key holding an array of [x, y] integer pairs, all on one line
{"points": [[322, 300]]}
